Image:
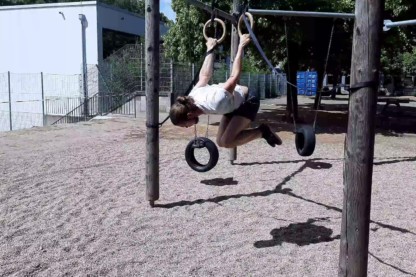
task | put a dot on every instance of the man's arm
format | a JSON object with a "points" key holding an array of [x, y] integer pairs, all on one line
{"points": [[207, 68], [232, 81]]}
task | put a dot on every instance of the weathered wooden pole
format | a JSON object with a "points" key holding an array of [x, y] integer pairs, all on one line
{"points": [[359, 146], [152, 19], [233, 52]]}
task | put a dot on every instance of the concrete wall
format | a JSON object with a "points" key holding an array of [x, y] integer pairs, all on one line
{"points": [[47, 38]]}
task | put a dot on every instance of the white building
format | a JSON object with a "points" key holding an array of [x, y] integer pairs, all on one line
{"points": [[48, 37], [58, 40]]}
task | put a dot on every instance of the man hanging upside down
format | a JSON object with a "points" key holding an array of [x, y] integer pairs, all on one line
{"points": [[236, 103]]}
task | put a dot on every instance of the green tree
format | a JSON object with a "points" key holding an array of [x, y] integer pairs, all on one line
{"points": [[308, 38], [409, 61], [185, 42], [399, 42]]}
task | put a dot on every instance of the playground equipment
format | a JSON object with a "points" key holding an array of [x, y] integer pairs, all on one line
{"points": [[305, 138], [359, 143]]}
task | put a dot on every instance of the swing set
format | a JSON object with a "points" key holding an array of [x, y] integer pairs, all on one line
{"points": [[360, 136], [305, 137]]}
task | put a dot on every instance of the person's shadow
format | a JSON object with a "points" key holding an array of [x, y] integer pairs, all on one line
{"points": [[299, 233]]}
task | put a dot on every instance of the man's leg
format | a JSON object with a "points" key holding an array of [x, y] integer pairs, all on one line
{"points": [[236, 134], [221, 128]]}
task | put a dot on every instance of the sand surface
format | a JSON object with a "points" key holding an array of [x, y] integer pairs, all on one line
{"points": [[72, 203]]}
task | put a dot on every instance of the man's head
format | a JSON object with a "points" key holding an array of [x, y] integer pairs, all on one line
{"points": [[184, 112]]}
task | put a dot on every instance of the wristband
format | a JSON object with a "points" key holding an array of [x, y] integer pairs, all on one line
{"points": [[209, 52]]}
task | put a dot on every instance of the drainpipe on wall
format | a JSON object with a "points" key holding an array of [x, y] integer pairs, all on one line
{"points": [[84, 25]]}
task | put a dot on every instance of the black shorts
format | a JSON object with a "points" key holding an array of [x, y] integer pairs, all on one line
{"points": [[248, 109]]}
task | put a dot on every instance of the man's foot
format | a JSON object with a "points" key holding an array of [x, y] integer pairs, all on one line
{"points": [[271, 137]]}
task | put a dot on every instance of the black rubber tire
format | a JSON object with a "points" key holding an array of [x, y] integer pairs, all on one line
{"points": [[305, 140], [201, 142]]}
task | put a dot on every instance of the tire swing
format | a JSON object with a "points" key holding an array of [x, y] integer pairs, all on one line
{"points": [[204, 142], [305, 135], [305, 139], [200, 143]]}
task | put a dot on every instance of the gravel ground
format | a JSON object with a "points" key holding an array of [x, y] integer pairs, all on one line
{"points": [[72, 203]]}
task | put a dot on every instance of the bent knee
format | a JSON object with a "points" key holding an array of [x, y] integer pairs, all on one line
{"points": [[219, 142], [225, 142], [244, 89]]}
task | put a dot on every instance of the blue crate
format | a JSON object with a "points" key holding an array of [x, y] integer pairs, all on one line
{"points": [[306, 81], [300, 74]]}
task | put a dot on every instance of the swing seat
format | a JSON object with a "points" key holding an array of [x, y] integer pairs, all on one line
{"points": [[305, 140], [198, 143]]}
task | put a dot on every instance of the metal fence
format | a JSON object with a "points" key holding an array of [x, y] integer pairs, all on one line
{"points": [[26, 99], [115, 86]]}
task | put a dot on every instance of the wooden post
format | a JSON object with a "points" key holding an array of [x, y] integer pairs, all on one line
{"points": [[152, 19], [359, 146], [233, 52]]}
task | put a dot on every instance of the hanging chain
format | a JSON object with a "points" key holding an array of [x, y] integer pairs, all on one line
{"points": [[206, 133], [325, 67]]}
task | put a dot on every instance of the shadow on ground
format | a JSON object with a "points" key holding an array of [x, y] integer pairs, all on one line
{"points": [[332, 118], [316, 164], [302, 234]]}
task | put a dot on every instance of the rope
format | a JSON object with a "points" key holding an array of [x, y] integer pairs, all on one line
{"points": [[257, 44], [325, 67]]}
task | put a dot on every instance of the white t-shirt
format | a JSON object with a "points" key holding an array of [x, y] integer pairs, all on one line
{"points": [[214, 99]]}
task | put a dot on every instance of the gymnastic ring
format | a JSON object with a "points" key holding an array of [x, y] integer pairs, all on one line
{"points": [[240, 20], [223, 29], [201, 142], [305, 140]]}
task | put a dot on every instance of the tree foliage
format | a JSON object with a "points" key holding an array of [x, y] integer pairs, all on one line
{"points": [[307, 38]]}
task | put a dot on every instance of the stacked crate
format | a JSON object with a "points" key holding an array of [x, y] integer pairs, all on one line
{"points": [[307, 82]]}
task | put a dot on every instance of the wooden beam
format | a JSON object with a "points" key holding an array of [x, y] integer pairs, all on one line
{"points": [[218, 12], [359, 144], [152, 37]]}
